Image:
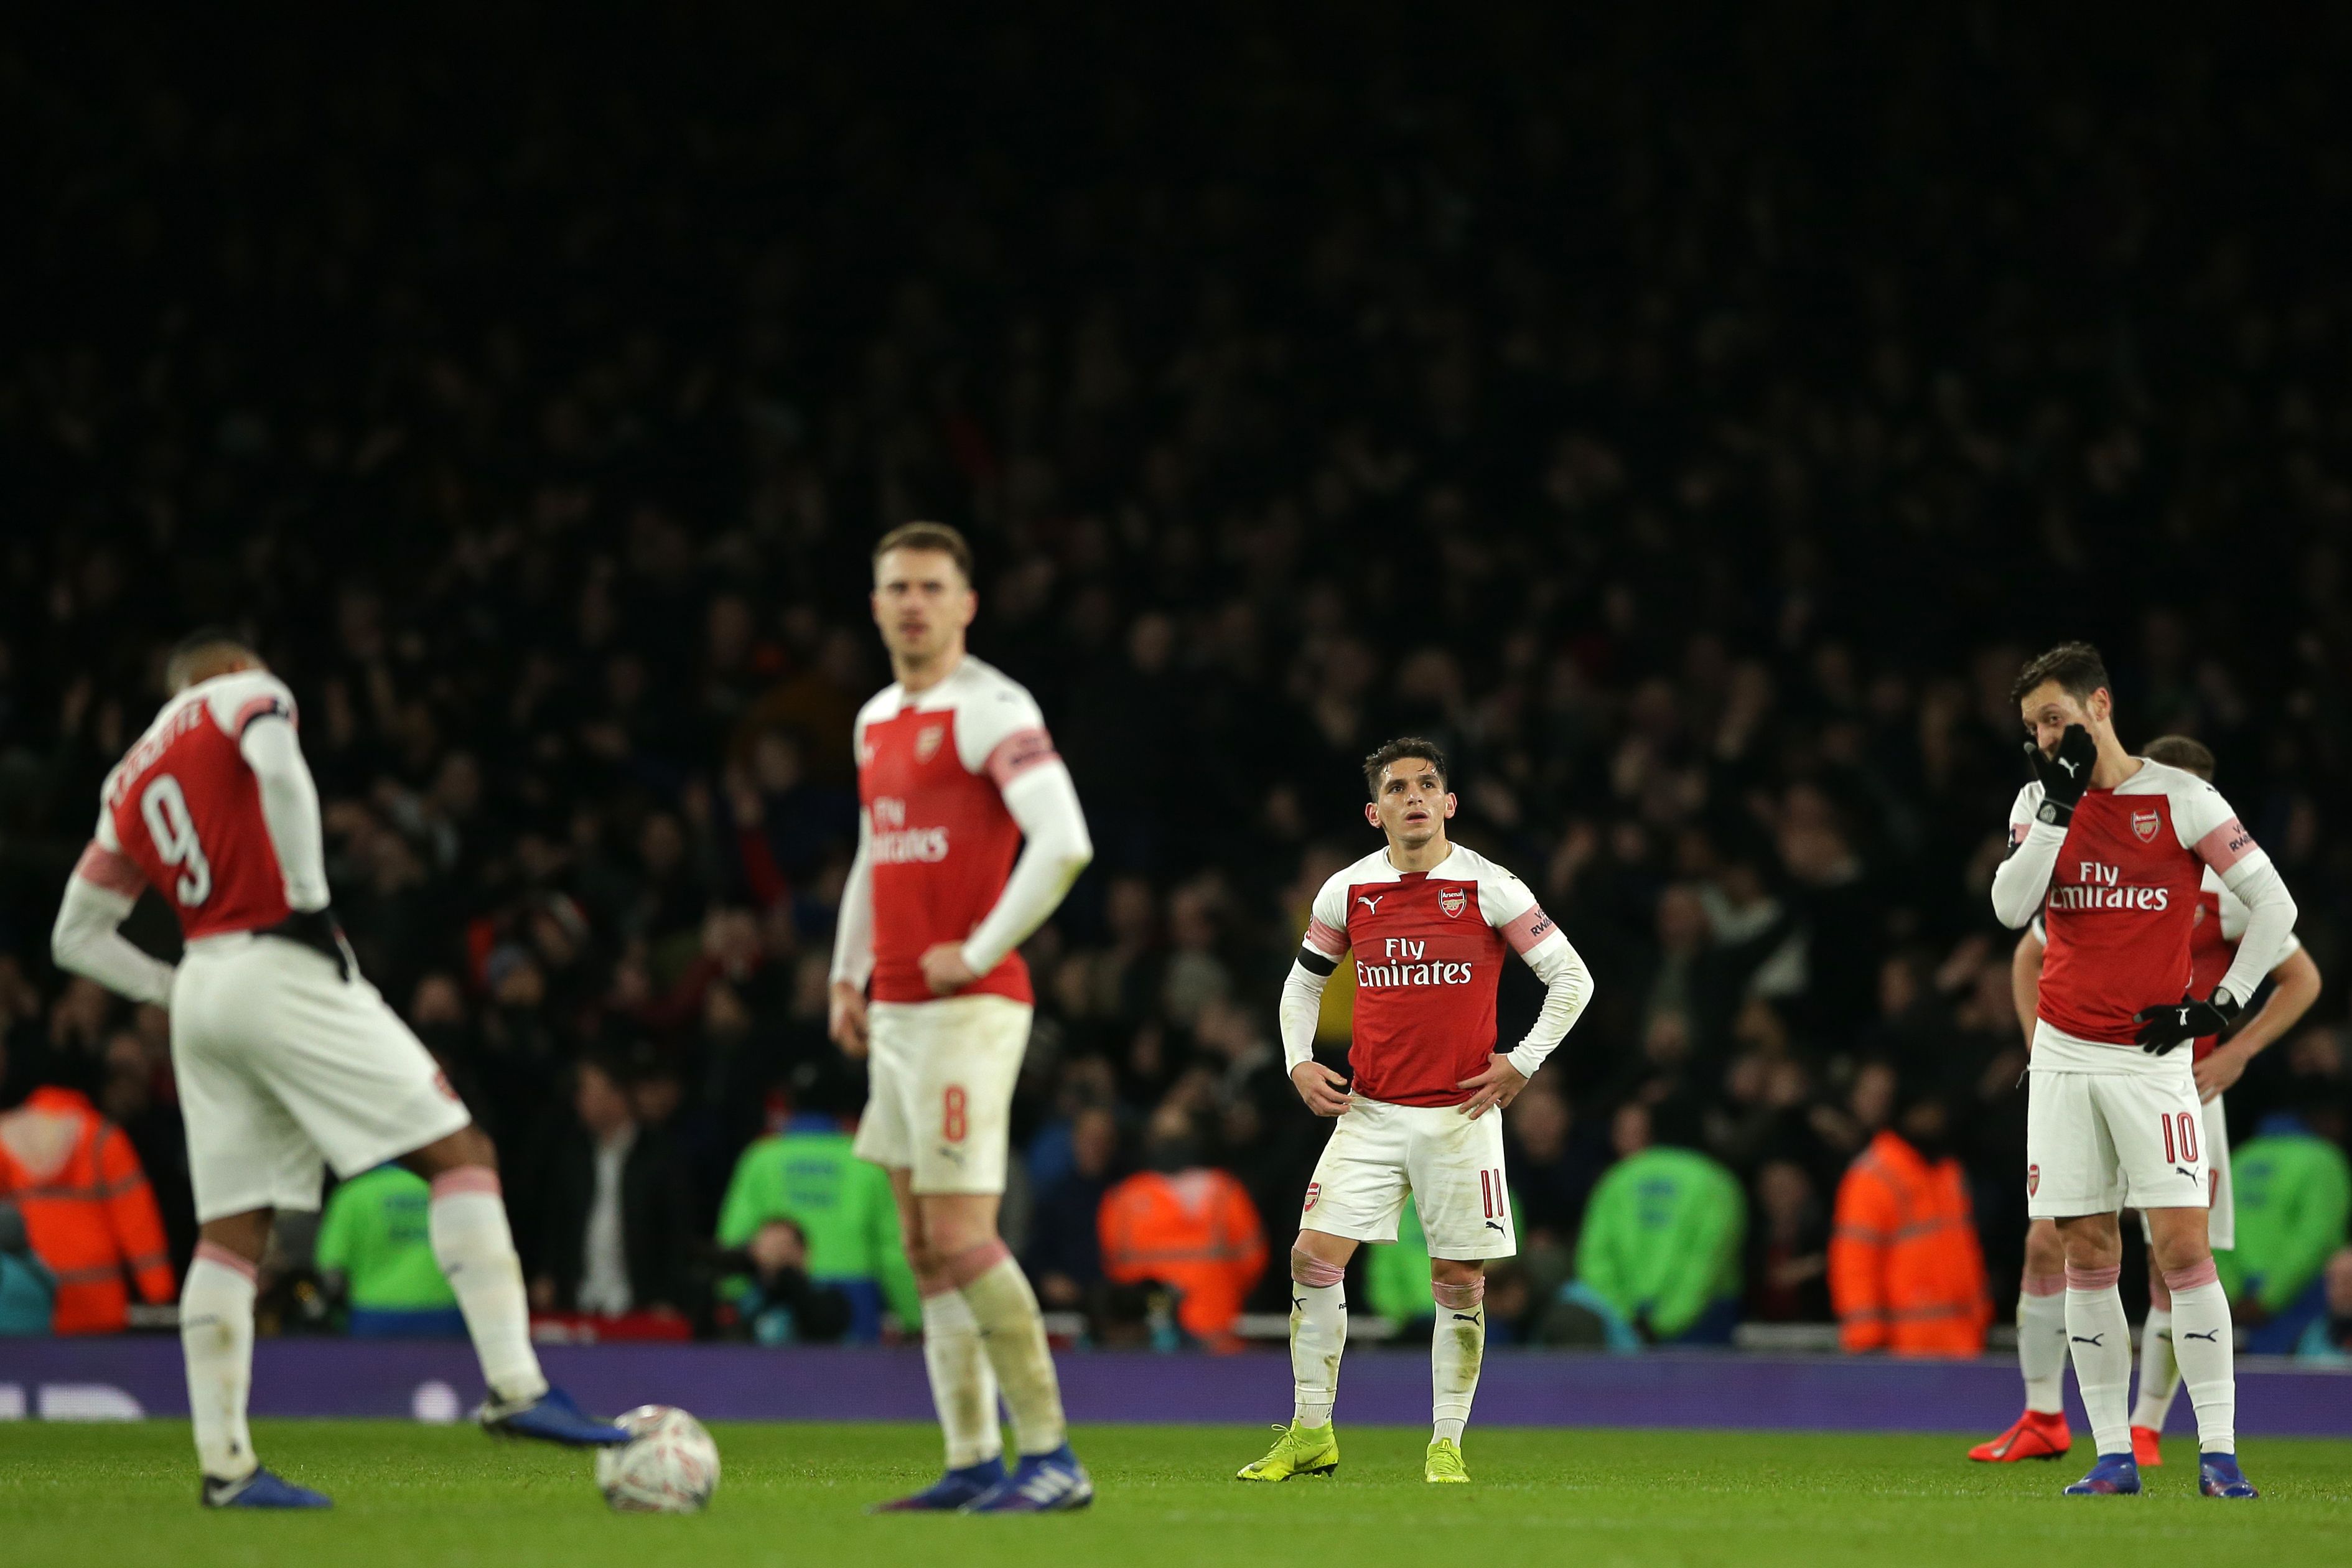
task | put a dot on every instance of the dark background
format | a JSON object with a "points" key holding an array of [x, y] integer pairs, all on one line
{"points": [[1691, 419]]}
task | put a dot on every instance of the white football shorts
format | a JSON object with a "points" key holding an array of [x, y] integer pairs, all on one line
{"points": [[284, 1066], [939, 1081], [2221, 1224], [1452, 1166], [2097, 1142]]}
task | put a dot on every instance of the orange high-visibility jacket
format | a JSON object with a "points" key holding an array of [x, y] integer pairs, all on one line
{"points": [[1907, 1273], [87, 1208], [1196, 1231]]}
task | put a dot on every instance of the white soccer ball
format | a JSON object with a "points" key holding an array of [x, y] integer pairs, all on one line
{"points": [[669, 1466]]}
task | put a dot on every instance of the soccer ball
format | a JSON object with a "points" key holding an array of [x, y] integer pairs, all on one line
{"points": [[669, 1466]]}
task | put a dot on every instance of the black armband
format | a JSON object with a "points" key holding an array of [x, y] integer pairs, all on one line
{"points": [[1316, 964]]}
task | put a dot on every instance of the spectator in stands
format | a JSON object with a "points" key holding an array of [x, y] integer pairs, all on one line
{"points": [[1065, 1253], [29, 1290], [842, 1212], [2329, 1336], [1788, 1254], [375, 1253], [2295, 1198], [1907, 1271], [1661, 1244], [617, 1226], [1188, 1226], [780, 1304], [85, 1205]]}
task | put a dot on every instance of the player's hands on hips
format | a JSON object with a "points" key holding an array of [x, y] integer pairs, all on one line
{"points": [[1497, 1086], [2064, 776], [1324, 1090], [2161, 1029], [846, 1018], [944, 970], [2219, 1071]]}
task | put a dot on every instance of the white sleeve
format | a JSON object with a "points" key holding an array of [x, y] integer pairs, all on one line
{"points": [[853, 924], [1043, 800], [85, 941], [1568, 987], [2210, 830], [1301, 1009], [290, 807], [1319, 952], [2235, 917], [2020, 882]]}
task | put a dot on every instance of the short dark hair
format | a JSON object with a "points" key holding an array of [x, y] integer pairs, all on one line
{"points": [[2181, 751], [936, 536], [2076, 667], [194, 645], [1396, 750]]}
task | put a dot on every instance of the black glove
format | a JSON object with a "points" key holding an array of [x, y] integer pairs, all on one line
{"points": [[318, 931], [2065, 777], [2161, 1029]]}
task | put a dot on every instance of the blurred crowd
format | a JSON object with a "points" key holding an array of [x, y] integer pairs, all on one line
{"points": [[1691, 429]]}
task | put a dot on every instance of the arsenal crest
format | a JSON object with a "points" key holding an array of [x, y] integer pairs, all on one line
{"points": [[2144, 823], [2032, 1180], [1452, 901], [1314, 1190], [926, 743]]}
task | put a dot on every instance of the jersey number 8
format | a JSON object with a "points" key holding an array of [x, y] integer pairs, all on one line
{"points": [[165, 811]]}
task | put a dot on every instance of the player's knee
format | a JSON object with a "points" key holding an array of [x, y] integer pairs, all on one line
{"points": [[2044, 1252], [2180, 1253], [1456, 1294], [1320, 1273], [246, 1234]]}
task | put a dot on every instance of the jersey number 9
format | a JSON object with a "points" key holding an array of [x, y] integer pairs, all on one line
{"points": [[165, 811]]}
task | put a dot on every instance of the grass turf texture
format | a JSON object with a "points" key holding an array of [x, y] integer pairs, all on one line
{"points": [[414, 1496]]}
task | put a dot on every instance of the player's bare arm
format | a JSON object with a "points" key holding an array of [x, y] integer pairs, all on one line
{"points": [[2294, 986], [2025, 983]]}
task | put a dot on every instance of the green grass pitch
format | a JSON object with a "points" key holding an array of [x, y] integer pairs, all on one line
{"points": [[101, 1495]]}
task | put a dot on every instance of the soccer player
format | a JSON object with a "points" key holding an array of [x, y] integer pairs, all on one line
{"points": [[1429, 922], [2111, 850], [2219, 926], [283, 1052], [956, 774]]}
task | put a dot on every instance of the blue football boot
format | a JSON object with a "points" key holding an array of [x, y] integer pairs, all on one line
{"points": [[552, 1417], [1041, 1483], [2115, 1475], [951, 1492], [2218, 1476], [260, 1490]]}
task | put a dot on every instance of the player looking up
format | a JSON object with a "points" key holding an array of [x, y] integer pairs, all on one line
{"points": [[1428, 922], [2219, 924], [284, 1054], [956, 774], [2110, 849]]}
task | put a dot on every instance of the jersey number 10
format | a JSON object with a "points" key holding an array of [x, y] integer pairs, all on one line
{"points": [[165, 811]]}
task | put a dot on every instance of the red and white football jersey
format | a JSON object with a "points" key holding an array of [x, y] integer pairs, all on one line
{"points": [[931, 770], [2121, 909], [1429, 948], [185, 809]]}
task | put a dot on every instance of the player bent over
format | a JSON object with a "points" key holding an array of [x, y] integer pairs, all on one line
{"points": [[283, 1052], [2041, 1433], [1428, 922], [2110, 849], [955, 771]]}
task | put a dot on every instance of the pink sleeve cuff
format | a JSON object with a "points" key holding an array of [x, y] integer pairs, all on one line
{"points": [[1330, 944], [1017, 753], [2226, 846], [1529, 929], [102, 868]]}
